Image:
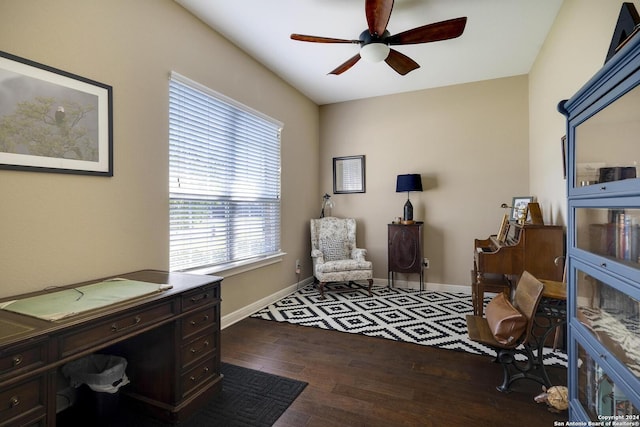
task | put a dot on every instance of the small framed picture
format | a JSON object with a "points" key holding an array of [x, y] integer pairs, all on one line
{"points": [[519, 207], [348, 174]]}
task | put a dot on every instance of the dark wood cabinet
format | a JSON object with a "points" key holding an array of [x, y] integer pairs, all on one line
{"points": [[405, 253], [170, 339]]}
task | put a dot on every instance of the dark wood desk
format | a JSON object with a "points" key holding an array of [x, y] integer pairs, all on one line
{"points": [[171, 341]]}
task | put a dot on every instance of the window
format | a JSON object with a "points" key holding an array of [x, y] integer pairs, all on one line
{"points": [[224, 179]]}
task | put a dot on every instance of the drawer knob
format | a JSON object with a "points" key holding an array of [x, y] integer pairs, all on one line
{"points": [[204, 319], [204, 373], [14, 401], [17, 360], [116, 328], [197, 350]]}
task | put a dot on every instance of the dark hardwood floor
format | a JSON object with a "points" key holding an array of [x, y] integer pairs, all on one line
{"points": [[356, 380]]}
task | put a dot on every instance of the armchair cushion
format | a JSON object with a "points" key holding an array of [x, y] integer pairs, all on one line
{"points": [[343, 265], [334, 248]]}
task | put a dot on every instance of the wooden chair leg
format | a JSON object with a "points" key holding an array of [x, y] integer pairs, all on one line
{"points": [[321, 287], [370, 284]]}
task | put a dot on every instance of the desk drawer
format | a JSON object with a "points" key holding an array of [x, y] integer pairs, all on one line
{"points": [[114, 328], [200, 297], [199, 348], [198, 376], [22, 399], [198, 321], [16, 360]]}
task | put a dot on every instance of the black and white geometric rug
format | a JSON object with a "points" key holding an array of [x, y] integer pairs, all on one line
{"points": [[431, 318]]}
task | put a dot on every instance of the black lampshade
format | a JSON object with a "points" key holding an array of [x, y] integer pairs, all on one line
{"points": [[409, 182]]}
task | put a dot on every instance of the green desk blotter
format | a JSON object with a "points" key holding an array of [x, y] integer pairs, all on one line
{"points": [[69, 302]]}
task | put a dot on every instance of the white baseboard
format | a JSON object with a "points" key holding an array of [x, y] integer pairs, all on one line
{"points": [[248, 310]]}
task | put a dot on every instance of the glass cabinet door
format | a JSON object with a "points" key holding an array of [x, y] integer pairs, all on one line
{"points": [[607, 148], [611, 317], [609, 232], [598, 394]]}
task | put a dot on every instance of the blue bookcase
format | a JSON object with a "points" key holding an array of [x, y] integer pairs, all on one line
{"points": [[603, 238]]}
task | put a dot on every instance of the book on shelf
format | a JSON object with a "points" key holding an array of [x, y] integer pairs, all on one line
{"points": [[618, 238]]}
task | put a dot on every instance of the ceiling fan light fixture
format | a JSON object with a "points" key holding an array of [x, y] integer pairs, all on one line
{"points": [[375, 52]]}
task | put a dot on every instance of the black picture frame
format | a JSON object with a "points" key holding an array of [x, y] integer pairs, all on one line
{"points": [[53, 121], [349, 174]]}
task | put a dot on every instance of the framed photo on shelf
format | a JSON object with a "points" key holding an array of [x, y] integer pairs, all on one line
{"points": [[53, 121], [519, 204]]}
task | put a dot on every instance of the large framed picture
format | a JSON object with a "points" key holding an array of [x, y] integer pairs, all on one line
{"points": [[53, 121]]}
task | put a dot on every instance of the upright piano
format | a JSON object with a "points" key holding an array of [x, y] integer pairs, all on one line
{"points": [[497, 265]]}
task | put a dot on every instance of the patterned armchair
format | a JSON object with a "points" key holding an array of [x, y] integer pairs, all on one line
{"points": [[335, 255]]}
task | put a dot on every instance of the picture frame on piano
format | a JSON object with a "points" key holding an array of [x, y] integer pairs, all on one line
{"points": [[519, 204]]}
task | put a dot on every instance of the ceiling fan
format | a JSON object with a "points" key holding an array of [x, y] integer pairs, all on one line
{"points": [[375, 40]]}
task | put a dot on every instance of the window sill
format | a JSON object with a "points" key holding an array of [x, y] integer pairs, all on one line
{"points": [[231, 269]]}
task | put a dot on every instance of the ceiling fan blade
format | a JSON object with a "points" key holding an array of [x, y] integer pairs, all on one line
{"points": [[378, 14], [400, 62], [316, 39], [438, 31], [346, 65]]}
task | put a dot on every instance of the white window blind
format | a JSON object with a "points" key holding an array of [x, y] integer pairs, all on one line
{"points": [[224, 179]]}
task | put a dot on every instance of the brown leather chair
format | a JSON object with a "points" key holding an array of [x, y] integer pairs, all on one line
{"points": [[526, 299]]}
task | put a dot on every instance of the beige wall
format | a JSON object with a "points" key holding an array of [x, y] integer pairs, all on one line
{"points": [[575, 49], [476, 145], [59, 229], [470, 144]]}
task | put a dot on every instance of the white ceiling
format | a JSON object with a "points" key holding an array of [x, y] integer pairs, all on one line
{"points": [[502, 38]]}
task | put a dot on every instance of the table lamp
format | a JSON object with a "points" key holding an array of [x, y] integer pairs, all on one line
{"points": [[326, 203], [408, 183]]}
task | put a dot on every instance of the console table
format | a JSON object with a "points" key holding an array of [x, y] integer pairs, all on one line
{"points": [[405, 251], [171, 340]]}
